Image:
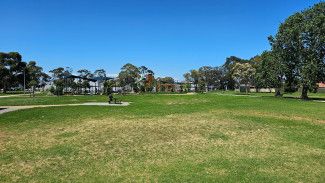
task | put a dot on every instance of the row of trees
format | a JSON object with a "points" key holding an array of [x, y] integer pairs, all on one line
{"points": [[130, 78], [141, 79], [15, 73], [205, 77], [296, 59], [234, 72], [66, 82]]}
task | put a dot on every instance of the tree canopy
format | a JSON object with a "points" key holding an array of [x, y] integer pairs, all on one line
{"points": [[16, 73], [300, 47]]}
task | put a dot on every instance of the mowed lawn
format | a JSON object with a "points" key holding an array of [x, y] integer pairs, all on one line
{"points": [[164, 138]]}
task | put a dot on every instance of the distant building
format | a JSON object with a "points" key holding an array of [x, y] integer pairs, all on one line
{"points": [[96, 85], [321, 87], [253, 89]]}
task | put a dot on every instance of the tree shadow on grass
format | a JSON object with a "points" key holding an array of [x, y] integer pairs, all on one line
{"points": [[309, 98], [319, 99]]}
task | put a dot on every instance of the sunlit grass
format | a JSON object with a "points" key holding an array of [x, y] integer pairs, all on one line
{"points": [[164, 138]]}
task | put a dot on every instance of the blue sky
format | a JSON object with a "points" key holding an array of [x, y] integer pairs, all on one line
{"points": [[169, 36]]}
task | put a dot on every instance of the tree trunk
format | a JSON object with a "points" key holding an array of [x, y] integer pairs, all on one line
{"points": [[4, 87], [277, 92], [33, 91], [304, 92], [246, 87]]}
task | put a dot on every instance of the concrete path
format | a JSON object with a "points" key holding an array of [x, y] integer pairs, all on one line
{"points": [[5, 109], [14, 95]]}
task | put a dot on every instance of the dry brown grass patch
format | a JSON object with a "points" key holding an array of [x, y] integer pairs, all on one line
{"points": [[159, 142]]}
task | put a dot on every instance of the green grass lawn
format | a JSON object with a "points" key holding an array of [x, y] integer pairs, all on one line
{"points": [[164, 138], [48, 100]]}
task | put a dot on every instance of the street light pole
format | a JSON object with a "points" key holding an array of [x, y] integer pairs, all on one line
{"points": [[24, 82]]}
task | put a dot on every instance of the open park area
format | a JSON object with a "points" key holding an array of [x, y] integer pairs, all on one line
{"points": [[162, 91], [214, 137]]}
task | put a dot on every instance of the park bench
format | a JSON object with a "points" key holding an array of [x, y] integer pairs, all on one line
{"points": [[113, 100], [116, 101]]}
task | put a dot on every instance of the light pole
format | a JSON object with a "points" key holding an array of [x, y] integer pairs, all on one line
{"points": [[24, 82]]}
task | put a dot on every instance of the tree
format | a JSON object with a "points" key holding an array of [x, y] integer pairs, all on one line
{"points": [[100, 74], [227, 68], [16, 73], [85, 75], [129, 75], [58, 80], [269, 72], [205, 76], [165, 83], [243, 74], [69, 83], [57, 73], [143, 71], [300, 45], [11, 70], [62, 80], [45, 78], [34, 74], [146, 80], [188, 80], [108, 86], [224, 79], [209, 76], [150, 80], [193, 77], [5, 77], [167, 80]]}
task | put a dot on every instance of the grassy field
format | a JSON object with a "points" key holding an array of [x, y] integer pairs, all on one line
{"points": [[217, 137]]}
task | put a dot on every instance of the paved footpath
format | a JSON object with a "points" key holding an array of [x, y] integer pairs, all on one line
{"points": [[5, 109], [15, 95]]}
